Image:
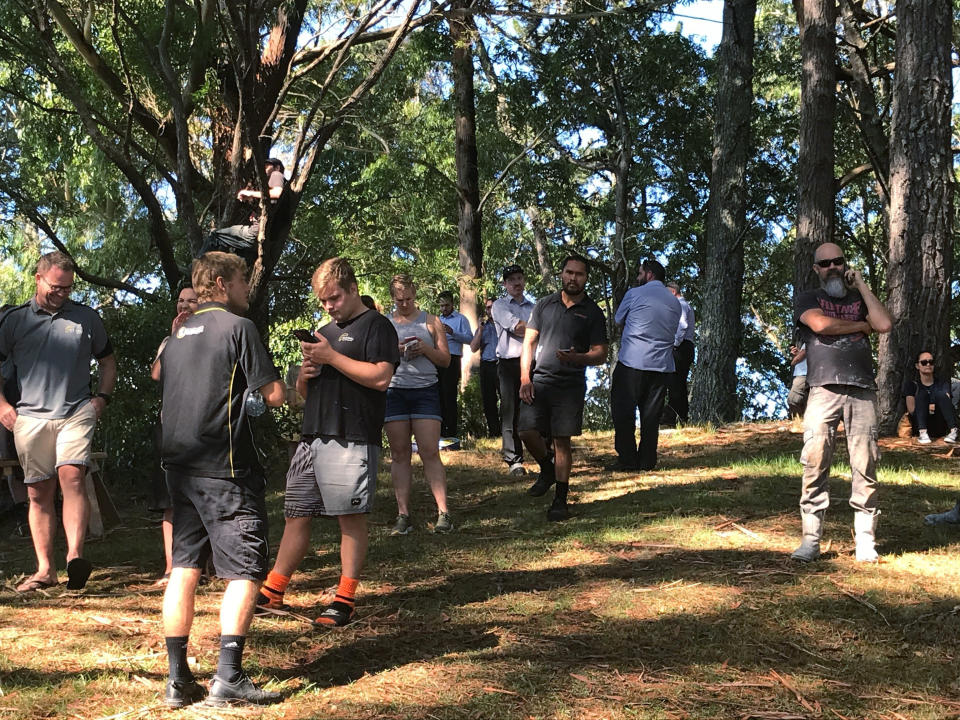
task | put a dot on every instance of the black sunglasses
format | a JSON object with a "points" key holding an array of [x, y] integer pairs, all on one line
{"points": [[838, 261], [924, 362]]}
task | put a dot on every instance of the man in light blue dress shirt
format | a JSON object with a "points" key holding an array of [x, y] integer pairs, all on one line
{"points": [[649, 315], [458, 331], [485, 342]]}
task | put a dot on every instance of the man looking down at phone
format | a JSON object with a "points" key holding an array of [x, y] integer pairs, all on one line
{"points": [[347, 366], [835, 322], [566, 332]]}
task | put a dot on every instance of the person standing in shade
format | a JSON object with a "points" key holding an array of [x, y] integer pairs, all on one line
{"points": [[485, 342], [835, 322], [649, 315], [567, 332], [208, 368], [457, 329], [510, 314], [684, 349], [49, 343], [333, 472], [413, 404]]}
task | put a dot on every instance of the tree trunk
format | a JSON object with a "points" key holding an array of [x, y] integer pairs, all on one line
{"points": [[470, 247], [921, 201], [714, 396], [816, 194], [542, 244]]}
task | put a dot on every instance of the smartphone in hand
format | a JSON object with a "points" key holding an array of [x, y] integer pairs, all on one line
{"points": [[305, 336]]}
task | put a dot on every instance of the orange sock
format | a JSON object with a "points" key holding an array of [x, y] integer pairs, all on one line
{"points": [[274, 586], [347, 591], [340, 610]]}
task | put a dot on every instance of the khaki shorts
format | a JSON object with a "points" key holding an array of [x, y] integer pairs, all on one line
{"points": [[44, 445]]}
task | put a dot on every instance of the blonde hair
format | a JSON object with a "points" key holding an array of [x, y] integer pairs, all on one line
{"points": [[335, 268], [208, 267], [401, 282]]}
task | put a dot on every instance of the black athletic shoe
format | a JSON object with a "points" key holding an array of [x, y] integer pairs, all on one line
{"points": [[558, 511], [181, 693], [547, 478], [241, 692]]}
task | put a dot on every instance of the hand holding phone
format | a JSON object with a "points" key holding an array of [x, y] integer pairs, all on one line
{"points": [[305, 336]]}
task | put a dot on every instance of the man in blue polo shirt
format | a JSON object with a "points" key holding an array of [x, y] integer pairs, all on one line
{"points": [[650, 316], [50, 341], [485, 342], [458, 332]]}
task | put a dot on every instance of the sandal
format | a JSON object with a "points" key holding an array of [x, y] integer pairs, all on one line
{"points": [[33, 584]]}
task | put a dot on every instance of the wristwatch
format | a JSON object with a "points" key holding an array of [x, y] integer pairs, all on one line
{"points": [[105, 396]]}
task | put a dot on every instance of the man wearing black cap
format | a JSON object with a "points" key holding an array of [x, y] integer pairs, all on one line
{"points": [[242, 239], [510, 315]]}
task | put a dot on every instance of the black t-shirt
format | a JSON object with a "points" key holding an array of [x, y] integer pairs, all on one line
{"points": [[579, 327], [836, 359], [338, 407], [207, 366], [910, 387]]}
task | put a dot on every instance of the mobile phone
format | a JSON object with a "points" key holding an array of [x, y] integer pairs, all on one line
{"points": [[304, 336]]}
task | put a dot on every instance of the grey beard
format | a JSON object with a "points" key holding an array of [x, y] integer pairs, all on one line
{"points": [[834, 286]]}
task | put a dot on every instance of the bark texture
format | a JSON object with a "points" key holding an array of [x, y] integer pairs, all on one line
{"points": [[921, 201], [816, 193], [714, 395]]}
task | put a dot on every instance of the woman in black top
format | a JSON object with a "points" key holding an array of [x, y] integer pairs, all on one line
{"points": [[927, 396]]}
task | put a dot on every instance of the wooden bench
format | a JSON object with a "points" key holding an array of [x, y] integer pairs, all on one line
{"points": [[103, 513]]}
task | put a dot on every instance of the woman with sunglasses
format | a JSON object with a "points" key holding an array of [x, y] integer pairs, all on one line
{"points": [[929, 402]]}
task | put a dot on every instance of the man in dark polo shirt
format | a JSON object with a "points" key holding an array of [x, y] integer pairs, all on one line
{"points": [[208, 368], [333, 473], [566, 332], [49, 342]]}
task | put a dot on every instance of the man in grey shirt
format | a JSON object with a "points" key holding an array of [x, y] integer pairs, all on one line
{"points": [[49, 342], [510, 315]]}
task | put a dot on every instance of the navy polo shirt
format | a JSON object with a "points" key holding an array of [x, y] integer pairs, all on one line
{"points": [[579, 326]]}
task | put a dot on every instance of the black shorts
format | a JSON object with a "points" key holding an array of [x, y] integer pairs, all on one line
{"points": [[232, 514], [557, 411]]}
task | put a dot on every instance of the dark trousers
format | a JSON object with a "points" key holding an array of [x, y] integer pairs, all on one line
{"points": [[449, 380], [489, 391], [678, 404], [508, 373], [632, 389], [934, 395]]}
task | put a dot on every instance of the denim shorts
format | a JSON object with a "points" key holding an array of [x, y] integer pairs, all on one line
{"points": [[413, 403]]}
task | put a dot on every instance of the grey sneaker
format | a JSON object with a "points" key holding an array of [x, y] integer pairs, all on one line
{"points": [[951, 437], [517, 470], [924, 438], [402, 526], [444, 524]]}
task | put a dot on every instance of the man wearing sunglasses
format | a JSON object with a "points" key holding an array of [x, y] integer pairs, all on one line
{"points": [[49, 342], [835, 322]]}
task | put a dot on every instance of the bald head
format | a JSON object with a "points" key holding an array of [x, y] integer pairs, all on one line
{"points": [[827, 251]]}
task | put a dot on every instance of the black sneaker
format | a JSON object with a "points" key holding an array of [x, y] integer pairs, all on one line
{"points": [[241, 692], [181, 693], [547, 478], [558, 511]]}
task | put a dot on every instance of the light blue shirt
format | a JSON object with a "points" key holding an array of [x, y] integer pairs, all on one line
{"points": [[488, 342], [461, 332], [507, 312], [650, 316], [687, 330]]}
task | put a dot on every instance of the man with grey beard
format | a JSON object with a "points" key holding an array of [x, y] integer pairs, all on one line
{"points": [[835, 322]]}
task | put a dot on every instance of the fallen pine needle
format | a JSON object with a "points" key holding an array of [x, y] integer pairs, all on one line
{"points": [[500, 690], [749, 533]]}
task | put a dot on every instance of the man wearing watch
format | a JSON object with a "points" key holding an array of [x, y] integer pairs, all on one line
{"points": [[49, 341]]}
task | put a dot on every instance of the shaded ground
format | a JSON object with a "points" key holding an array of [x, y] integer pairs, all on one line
{"points": [[668, 595]]}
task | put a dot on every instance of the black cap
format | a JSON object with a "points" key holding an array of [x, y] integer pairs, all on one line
{"points": [[512, 270]]}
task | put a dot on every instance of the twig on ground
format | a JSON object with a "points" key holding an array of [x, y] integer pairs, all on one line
{"points": [[814, 708]]}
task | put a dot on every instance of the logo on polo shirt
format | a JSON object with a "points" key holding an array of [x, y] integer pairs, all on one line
{"points": [[345, 337], [184, 331], [72, 328]]}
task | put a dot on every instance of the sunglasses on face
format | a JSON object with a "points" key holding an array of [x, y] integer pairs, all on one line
{"points": [[838, 261], [925, 362]]}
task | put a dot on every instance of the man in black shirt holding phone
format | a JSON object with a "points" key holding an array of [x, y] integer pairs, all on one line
{"points": [[835, 322], [347, 366]]}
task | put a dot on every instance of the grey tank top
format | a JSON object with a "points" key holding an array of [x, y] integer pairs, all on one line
{"points": [[419, 372]]}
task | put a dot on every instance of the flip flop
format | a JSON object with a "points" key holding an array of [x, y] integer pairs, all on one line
{"points": [[34, 584], [78, 571]]}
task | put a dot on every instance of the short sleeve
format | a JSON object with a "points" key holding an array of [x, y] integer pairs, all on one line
{"points": [[598, 328], [383, 345], [806, 301], [100, 343], [909, 388], [535, 316], [255, 361], [6, 336]]}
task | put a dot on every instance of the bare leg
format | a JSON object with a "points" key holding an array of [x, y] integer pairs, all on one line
{"points": [[293, 545], [398, 435], [178, 601], [76, 507], [535, 444], [43, 519], [427, 433], [166, 526], [236, 609], [562, 459], [353, 544]]}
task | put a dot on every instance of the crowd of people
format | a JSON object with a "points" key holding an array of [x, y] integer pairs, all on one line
{"points": [[364, 374]]}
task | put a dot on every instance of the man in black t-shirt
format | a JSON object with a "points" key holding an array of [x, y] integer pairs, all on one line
{"points": [[566, 332], [333, 473], [834, 323], [208, 368]]}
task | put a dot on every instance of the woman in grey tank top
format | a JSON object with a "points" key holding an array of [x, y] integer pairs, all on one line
{"points": [[413, 404]]}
